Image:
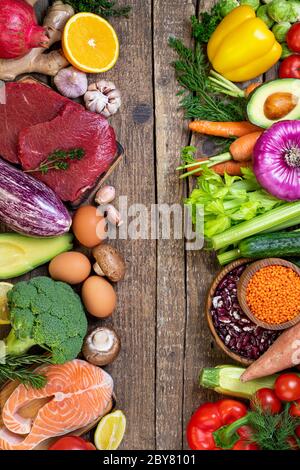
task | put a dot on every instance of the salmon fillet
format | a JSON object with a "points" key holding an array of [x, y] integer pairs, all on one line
{"points": [[79, 393]]}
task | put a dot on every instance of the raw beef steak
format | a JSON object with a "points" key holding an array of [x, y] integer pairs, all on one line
{"points": [[72, 129], [27, 104]]}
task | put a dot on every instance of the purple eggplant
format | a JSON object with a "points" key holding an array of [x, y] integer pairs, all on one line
{"points": [[28, 206]]}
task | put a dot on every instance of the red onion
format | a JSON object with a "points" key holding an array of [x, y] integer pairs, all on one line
{"points": [[19, 31], [276, 160]]}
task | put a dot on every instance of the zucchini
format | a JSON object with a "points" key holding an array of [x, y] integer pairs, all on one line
{"points": [[226, 380], [271, 245]]}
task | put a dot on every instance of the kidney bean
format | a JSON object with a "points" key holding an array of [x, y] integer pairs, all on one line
{"points": [[232, 325]]}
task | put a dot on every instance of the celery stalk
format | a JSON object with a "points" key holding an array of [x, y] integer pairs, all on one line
{"points": [[284, 225], [260, 223], [228, 256]]}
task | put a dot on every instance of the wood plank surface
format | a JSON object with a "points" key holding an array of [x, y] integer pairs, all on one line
{"points": [[169, 20], [160, 314], [135, 317], [200, 349]]}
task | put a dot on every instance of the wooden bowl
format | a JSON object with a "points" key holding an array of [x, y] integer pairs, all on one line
{"points": [[242, 291], [210, 295]]}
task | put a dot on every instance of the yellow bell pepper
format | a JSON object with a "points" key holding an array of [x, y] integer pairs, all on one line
{"points": [[242, 47]]}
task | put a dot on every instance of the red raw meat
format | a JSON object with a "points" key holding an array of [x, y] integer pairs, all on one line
{"points": [[27, 104], [73, 128]]}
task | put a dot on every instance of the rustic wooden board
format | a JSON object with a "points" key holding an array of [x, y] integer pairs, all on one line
{"points": [[171, 135], [135, 318], [160, 315]]}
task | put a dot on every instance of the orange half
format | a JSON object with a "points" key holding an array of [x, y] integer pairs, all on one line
{"points": [[90, 43]]}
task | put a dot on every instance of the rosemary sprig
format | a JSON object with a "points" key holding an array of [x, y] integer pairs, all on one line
{"points": [[16, 368], [104, 8], [198, 98], [58, 160]]}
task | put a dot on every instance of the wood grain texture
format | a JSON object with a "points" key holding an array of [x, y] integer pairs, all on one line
{"points": [[200, 348], [161, 303], [171, 136], [135, 317]]}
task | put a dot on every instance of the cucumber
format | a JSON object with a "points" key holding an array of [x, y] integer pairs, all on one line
{"points": [[271, 245]]}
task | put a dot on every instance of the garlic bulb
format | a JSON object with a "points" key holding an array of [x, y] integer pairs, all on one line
{"points": [[103, 97], [71, 83]]}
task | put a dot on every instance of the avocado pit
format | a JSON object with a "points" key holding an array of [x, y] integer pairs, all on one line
{"points": [[280, 104]]}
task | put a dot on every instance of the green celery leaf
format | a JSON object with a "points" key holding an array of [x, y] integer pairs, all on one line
{"points": [[217, 225]]}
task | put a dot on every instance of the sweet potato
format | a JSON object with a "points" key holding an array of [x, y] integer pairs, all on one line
{"points": [[283, 354]]}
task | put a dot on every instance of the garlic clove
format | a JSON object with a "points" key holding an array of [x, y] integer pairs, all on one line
{"points": [[105, 195], [113, 215], [71, 83]]}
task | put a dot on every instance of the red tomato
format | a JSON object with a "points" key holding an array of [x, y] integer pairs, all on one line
{"points": [[72, 443], [295, 409], [290, 67], [245, 445], [287, 387], [267, 399], [245, 433], [292, 443], [293, 38]]}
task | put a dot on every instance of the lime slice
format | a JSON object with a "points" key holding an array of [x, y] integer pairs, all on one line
{"points": [[110, 431], [4, 313]]}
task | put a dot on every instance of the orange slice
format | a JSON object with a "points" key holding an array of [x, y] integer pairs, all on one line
{"points": [[90, 43]]}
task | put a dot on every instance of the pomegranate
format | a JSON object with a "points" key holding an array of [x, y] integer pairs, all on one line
{"points": [[19, 31]]}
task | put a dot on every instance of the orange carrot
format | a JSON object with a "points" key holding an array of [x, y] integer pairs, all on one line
{"points": [[230, 167], [242, 148], [223, 129], [251, 88]]}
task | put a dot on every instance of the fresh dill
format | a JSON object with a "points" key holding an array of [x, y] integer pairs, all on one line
{"points": [[103, 8], [197, 97]]}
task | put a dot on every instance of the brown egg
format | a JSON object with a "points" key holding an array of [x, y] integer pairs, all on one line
{"points": [[71, 267], [89, 227], [99, 297]]}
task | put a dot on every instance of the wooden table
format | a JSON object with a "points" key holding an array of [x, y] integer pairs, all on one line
{"points": [[160, 314]]}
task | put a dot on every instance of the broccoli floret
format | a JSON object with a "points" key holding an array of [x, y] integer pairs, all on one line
{"points": [[48, 314]]}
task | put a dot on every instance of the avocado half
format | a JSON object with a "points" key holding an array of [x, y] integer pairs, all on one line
{"points": [[20, 254], [257, 100]]}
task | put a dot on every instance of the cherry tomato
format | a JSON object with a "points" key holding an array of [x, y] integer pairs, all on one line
{"points": [[245, 445], [290, 67], [295, 409], [245, 433], [293, 38], [292, 443], [267, 399], [72, 443], [287, 387]]}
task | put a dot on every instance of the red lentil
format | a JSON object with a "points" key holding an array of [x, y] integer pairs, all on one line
{"points": [[273, 294]]}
